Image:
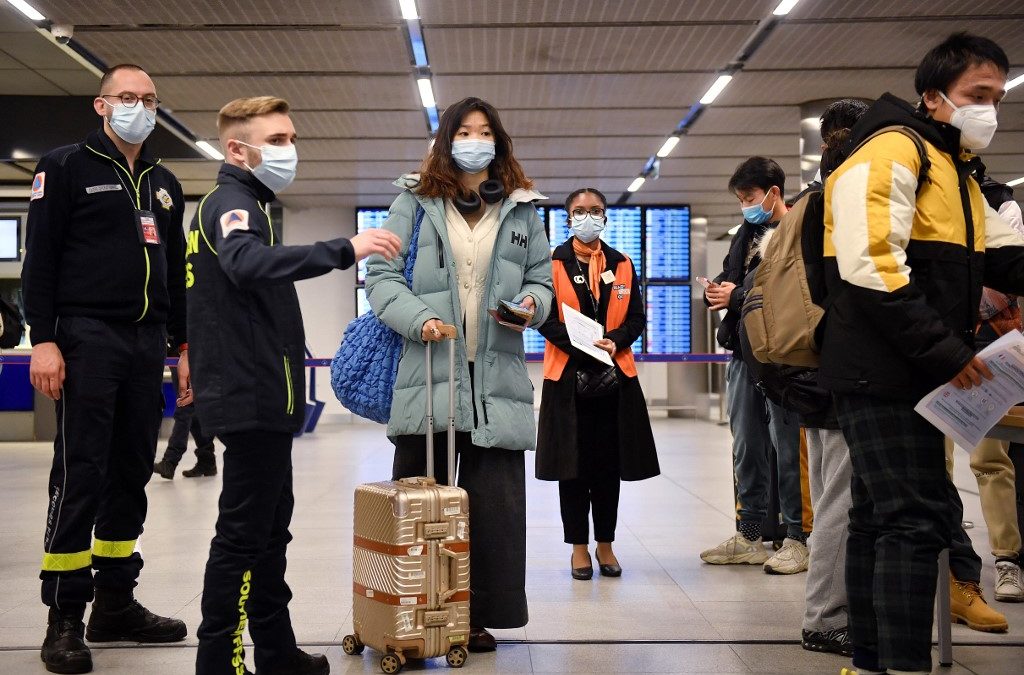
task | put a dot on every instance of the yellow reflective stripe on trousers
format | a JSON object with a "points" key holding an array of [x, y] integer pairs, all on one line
{"points": [[66, 562], [113, 549], [288, 382]]}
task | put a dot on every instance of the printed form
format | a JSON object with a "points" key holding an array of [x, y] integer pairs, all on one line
{"points": [[968, 415], [584, 332]]}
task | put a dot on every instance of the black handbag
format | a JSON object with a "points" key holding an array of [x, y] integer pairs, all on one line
{"points": [[11, 327], [596, 381]]}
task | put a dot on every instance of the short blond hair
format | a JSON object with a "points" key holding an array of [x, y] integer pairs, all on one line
{"points": [[235, 115]]}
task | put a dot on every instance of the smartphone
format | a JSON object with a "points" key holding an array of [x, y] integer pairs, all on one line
{"points": [[703, 281]]}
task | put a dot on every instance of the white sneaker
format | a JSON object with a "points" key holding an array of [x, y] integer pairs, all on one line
{"points": [[736, 550], [792, 558], [1009, 587]]}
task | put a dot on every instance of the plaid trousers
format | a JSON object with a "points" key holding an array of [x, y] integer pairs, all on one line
{"points": [[902, 513]]}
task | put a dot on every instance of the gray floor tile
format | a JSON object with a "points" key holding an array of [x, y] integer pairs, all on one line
{"points": [[666, 593]]}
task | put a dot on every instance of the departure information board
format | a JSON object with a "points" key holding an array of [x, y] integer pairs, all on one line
{"points": [[668, 243], [656, 238], [668, 319]]}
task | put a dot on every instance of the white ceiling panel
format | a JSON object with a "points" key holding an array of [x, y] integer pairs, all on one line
{"points": [[796, 87], [583, 49], [208, 52], [591, 121], [568, 91], [875, 9], [198, 12], [883, 44], [302, 91], [589, 12], [331, 124]]}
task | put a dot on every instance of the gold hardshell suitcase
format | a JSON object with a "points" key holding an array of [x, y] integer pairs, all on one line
{"points": [[410, 557]]}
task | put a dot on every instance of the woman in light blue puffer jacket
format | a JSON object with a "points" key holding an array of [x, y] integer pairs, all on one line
{"points": [[480, 242]]}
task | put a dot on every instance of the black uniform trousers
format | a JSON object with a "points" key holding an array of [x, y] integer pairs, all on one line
{"points": [[108, 420], [244, 583], [597, 480], [495, 480], [186, 421]]}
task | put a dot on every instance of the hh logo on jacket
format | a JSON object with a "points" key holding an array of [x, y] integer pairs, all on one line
{"points": [[519, 239]]}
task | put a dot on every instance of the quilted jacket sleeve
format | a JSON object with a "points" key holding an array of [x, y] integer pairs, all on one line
{"points": [[386, 289]]}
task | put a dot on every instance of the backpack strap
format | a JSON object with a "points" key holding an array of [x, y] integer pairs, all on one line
{"points": [[913, 135]]}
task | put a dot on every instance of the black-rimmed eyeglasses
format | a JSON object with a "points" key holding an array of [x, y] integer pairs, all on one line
{"points": [[581, 213], [129, 100]]}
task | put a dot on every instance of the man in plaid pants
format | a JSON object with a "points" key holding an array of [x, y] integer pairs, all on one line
{"points": [[909, 241]]}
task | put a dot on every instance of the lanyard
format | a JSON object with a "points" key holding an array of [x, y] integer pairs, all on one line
{"points": [[586, 285], [137, 202]]}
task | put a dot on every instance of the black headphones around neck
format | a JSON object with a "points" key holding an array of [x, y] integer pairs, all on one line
{"points": [[491, 191]]}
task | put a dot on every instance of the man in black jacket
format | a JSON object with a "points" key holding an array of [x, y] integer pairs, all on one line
{"points": [[103, 285], [908, 244], [758, 183], [248, 347]]}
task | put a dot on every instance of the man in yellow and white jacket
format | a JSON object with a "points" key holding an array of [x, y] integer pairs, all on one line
{"points": [[909, 242]]}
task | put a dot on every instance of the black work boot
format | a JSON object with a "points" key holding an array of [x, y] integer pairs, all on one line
{"points": [[165, 468], [299, 663], [64, 650], [206, 465], [118, 617]]}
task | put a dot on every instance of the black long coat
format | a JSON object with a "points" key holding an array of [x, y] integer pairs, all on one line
{"points": [[561, 414]]}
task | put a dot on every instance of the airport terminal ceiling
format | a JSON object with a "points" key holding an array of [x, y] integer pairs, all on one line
{"points": [[589, 90]]}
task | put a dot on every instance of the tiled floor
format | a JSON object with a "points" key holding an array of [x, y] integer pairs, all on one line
{"points": [[694, 618]]}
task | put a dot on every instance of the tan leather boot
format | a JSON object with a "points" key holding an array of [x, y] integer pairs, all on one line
{"points": [[968, 606]]}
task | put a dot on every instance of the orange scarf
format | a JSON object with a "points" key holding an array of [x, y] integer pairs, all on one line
{"points": [[595, 255]]}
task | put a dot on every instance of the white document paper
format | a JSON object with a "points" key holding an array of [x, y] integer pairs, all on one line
{"points": [[584, 332], [968, 415]]}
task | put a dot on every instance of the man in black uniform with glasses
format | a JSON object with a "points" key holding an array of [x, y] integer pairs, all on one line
{"points": [[104, 289]]}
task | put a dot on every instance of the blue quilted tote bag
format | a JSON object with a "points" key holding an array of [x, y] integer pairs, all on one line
{"points": [[364, 369]]}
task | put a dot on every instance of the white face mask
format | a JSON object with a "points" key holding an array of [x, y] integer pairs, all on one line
{"points": [[277, 168], [977, 123]]}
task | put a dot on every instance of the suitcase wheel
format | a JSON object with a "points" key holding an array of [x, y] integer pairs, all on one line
{"points": [[457, 656], [390, 663], [351, 645]]}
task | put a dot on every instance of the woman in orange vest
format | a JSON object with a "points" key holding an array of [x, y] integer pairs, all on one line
{"points": [[594, 430]]}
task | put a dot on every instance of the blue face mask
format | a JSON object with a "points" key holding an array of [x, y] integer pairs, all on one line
{"points": [[588, 229], [473, 156], [132, 125], [756, 214]]}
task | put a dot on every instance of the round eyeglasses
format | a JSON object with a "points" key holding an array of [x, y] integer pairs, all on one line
{"points": [[129, 100]]}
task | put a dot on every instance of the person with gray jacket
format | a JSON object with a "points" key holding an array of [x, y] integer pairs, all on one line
{"points": [[480, 244]]}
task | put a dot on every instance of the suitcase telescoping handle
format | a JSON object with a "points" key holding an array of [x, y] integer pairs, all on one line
{"points": [[450, 334]]}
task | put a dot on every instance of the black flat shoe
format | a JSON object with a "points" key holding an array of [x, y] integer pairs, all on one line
{"points": [[608, 570], [582, 573], [481, 641]]}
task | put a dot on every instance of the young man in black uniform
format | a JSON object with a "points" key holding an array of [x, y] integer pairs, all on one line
{"points": [[104, 284], [248, 347]]}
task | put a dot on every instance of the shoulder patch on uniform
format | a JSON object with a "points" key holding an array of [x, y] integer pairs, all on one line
{"points": [[38, 186], [164, 198], [236, 219]]}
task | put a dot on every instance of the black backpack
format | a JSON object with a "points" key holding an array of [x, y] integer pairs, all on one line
{"points": [[11, 327]]}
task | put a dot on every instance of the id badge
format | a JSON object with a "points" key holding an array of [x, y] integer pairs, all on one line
{"points": [[149, 234]]}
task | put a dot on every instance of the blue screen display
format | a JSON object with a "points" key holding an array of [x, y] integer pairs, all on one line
{"points": [[656, 238], [367, 219], [668, 319], [668, 243]]}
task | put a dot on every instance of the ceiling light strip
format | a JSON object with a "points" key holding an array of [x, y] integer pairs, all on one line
{"points": [[28, 10], [764, 27], [420, 63], [97, 67]]}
